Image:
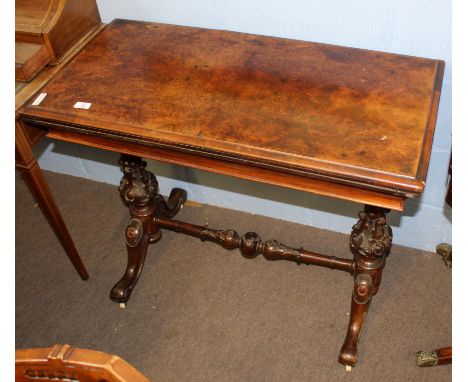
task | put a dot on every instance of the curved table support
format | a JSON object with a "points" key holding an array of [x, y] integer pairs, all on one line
{"points": [[139, 191], [370, 243]]}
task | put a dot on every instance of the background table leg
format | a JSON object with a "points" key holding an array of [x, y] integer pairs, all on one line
{"points": [[32, 174]]}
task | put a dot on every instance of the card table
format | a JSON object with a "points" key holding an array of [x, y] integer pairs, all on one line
{"points": [[347, 123]]}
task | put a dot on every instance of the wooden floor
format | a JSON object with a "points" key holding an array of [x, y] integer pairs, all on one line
{"points": [[200, 313]]}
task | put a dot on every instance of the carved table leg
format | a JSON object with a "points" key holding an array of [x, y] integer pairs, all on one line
{"points": [[370, 243], [139, 191], [32, 174]]}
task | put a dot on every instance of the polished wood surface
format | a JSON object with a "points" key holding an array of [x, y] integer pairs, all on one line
{"points": [[33, 19], [67, 363], [151, 213], [348, 116], [30, 59], [33, 16], [251, 245], [342, 122], [24, 91], [56, 24], [32, 174], [370, 242], [237, 170]]}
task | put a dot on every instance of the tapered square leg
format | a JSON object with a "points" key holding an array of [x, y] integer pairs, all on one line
{"points": [[32, 174], [370, 243]]}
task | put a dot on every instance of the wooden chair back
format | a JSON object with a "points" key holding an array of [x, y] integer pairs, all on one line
{"points": [[64, 362]]}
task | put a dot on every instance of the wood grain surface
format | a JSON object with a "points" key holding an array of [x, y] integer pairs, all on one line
{"points": [[339, 114], [64, 362], [30, 59], [57, 24]]}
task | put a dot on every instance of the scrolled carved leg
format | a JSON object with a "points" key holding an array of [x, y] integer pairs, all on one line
{"points": [[139, 191], [174, 203], [137, 240], [370, 243]]}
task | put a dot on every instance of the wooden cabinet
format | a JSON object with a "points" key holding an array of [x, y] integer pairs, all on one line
{"points": [[47, 29]]}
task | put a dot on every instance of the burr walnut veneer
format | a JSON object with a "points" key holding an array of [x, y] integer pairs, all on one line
{"points": [[347, 123]]}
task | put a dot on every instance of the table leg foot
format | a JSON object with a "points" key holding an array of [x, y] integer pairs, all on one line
{"points": [[137, 239], [441, 356], [362, 292], [370, 243]]}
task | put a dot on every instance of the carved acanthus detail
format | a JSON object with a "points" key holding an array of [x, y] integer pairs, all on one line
{"points": [[137, 185], [371, 239], [139, 191]]}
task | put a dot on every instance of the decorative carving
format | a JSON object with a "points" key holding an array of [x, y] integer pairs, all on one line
{"points": [[139, 191], [137, 185], [174, 203], [371, 239], [228, 239], [363, 288], [251, 245], [46, 375], [370, 243], [275, 250], [134, 232]]}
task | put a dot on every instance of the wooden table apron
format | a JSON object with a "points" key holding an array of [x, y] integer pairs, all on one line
{"points": [[341, 122]]}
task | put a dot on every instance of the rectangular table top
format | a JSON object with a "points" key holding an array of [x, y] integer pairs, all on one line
{"points": [[345, 115]]}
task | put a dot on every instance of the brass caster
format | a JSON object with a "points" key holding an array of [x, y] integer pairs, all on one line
{"points": [[426, 358], [348, 368], [445, 250], [122, 305]]}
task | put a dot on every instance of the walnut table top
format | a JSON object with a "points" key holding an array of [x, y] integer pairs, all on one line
{"points": [[350, 123]]}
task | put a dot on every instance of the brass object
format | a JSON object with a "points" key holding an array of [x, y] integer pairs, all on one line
{"points": [[426, 358], [445, 250]]}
